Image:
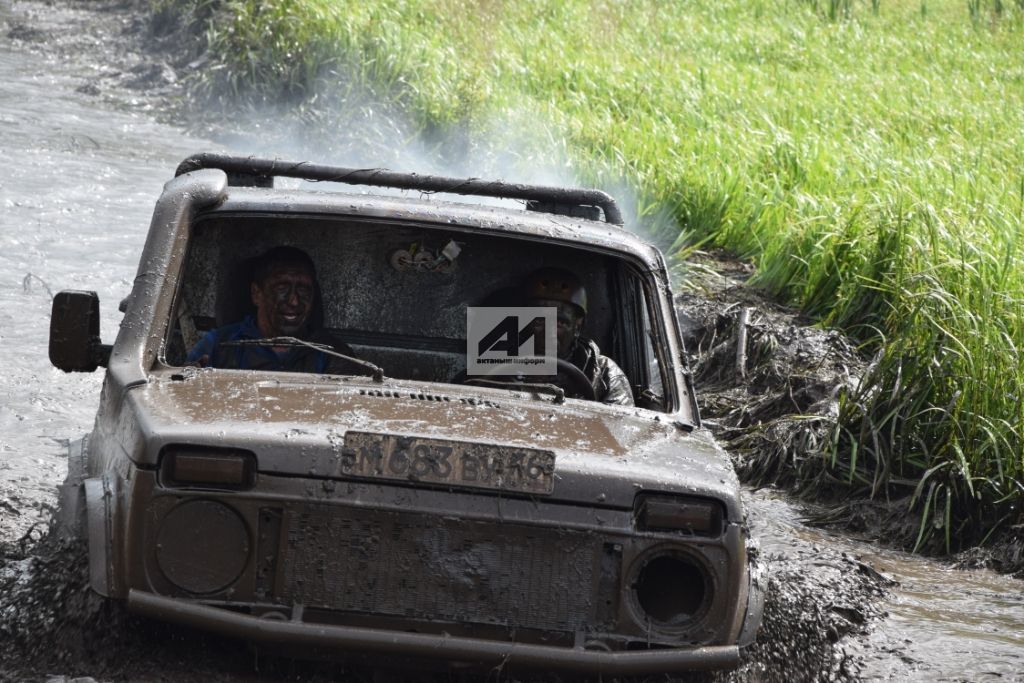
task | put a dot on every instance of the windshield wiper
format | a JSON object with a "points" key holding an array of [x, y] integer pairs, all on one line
{"points": [[376, 372], [538, 387]]}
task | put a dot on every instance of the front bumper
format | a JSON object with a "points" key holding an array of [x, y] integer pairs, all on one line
{"points": [[473, 651]]}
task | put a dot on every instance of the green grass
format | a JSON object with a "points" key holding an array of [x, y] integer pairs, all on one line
{"points": [[868, 156]]}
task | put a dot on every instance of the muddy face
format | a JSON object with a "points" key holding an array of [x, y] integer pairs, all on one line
{"points": [[284, 300], [568, 324]]}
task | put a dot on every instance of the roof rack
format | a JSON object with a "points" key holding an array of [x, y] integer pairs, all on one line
{"points": [[261, 172]]}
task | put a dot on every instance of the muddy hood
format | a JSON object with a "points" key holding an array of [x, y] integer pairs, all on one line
{"points": [[297, 426]]}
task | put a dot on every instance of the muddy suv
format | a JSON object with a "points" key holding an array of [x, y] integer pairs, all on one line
{"points": [[401, 506]]}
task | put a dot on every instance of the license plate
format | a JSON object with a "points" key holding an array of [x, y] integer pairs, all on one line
{"points": [[451, 463]]}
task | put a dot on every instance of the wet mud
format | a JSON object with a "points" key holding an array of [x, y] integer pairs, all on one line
{"points": [[769, 380], [51, 621], [108, 44], [837, 609], [769, 386]]}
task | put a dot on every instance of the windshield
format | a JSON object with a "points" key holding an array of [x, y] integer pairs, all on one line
{"points": [[335, 296]]}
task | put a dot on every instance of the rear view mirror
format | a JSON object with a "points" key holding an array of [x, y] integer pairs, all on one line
{"points": [[75, 332]]}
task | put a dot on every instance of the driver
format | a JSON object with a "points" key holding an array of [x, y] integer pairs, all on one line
{"points": [[559, 288], [284, 290]]}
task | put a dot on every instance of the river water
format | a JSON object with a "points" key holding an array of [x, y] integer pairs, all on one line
{"points": [[78, 179], [942, 624], [77, 185]]}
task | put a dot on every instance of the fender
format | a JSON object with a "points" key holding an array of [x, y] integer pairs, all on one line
{"points": [[102, 525], [70, 516], [755, 603]]}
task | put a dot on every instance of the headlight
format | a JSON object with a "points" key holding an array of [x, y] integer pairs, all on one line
{"points": [[202, 546], [200, 467], [671, 589], [663, 512]]}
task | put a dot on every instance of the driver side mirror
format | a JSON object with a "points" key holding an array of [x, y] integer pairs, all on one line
{"points": [[75, 332]]}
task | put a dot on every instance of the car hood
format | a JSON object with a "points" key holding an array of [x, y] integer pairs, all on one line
{"points": [[296, 425]]}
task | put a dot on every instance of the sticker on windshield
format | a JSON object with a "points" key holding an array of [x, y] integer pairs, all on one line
{"points": [[503, 340]]}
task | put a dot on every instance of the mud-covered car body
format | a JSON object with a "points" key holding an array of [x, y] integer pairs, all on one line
{"points": [[404, 514]]}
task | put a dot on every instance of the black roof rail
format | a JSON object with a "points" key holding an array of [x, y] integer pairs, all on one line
{"points": [[261, 173]]}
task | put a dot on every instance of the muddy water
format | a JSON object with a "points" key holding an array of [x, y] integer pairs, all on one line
{"points": [[77, 184], [942, 624]]}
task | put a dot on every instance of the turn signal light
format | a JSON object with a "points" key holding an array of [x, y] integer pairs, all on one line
{"points": [[191, 466], [678, 513]]}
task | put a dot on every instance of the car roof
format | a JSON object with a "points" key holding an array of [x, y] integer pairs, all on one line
{"points": [[450, 215], [568, 215]]}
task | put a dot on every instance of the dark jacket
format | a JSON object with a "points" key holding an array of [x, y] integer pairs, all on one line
{"points": [[609, 381], [299, 359]]}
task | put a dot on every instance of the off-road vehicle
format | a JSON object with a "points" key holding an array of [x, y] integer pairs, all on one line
{"points": [[402, 508]]}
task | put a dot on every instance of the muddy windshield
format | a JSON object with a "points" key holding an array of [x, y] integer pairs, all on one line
{"points": [[336, 296]]}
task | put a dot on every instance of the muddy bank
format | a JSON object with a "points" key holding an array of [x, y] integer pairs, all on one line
{"points": [[768, 380], [769, 383], [110, 45]]}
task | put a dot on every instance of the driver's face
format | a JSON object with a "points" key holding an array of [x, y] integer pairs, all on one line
{"points": [[568, 324], [284, 300]]}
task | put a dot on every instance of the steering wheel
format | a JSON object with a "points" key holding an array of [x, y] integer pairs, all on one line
{"points": [[579, 384]]}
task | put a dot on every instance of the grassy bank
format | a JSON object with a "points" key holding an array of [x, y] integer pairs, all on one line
{"points": [[868, 156]]}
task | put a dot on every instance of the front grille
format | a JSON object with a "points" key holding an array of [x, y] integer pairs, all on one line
{"points": [[428, 567]]}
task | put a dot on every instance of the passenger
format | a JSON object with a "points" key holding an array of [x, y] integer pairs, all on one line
{"points": [[284, 290], [558, 288]]}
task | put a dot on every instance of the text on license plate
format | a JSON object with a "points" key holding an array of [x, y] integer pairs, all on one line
{"points": [[455, 463]]}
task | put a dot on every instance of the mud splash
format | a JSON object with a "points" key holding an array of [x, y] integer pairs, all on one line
{"points": [[51, 621]]}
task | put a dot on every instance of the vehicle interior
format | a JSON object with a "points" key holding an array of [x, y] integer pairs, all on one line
{"points": [[397, 294]]}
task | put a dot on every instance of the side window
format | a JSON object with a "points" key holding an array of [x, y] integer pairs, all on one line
{"points": [[637, 345], [192, 313], [655, 391]]}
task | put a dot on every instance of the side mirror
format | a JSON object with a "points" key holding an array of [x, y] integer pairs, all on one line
{"points": [[75, 332]]}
